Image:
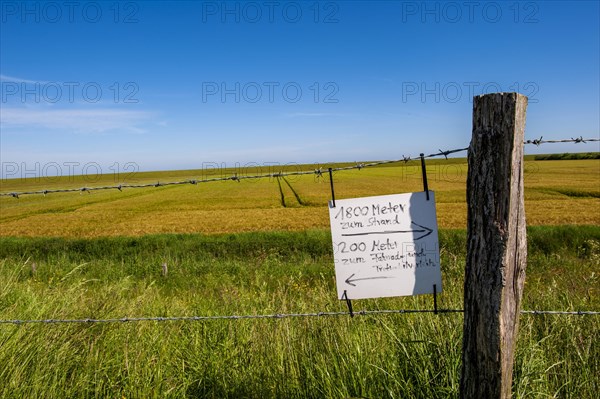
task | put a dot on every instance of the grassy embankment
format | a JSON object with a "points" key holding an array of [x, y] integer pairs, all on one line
{"points": [[376, 356]]}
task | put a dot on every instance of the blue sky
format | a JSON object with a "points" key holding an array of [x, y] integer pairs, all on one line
{"points": [[175, 85]]}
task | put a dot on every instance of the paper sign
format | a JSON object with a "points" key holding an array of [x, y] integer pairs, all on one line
{"points": [[385, 245]]}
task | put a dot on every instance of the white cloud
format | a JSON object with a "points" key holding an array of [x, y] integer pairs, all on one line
{"points": [[310, 114], [74, 120], [6, 78]]}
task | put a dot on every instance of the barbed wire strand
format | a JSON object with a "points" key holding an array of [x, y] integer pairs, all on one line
{"points": [[235, 177], [318, 172], [280, 316], [571, 140]]}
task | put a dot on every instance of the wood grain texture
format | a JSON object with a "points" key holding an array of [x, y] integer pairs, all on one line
{"points": [[497, 245]]}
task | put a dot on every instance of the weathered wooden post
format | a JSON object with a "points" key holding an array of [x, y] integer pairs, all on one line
{"points": [[496, 245]]}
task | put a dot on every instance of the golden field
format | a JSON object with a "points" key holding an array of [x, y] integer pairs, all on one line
{"points": [[556, 192]]}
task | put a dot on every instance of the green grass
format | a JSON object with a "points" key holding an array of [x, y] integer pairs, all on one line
{"points": [[375, 356]]}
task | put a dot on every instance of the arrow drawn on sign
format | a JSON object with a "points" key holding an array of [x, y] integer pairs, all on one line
{"points": [[351, 280], [423, 229]]}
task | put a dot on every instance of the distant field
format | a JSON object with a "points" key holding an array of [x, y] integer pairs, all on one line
{"points": [[557, 192]]}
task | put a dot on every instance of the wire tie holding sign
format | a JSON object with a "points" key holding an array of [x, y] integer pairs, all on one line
{"points": [[435, 310], [424, 170], [332, 191], [349, 303]]}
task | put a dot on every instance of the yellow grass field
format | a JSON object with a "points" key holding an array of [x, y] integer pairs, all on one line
{"points": [[557, 192]]}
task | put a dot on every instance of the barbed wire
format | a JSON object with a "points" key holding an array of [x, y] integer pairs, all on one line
{"points": [[280, 316], [318, 172], [235, 177], [571, 140], [560, 312]]}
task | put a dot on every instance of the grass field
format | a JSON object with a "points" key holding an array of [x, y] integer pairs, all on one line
{"points": [[557, 192], [375, 356], [262, 247]]}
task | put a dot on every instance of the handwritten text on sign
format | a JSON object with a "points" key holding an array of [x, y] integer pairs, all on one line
{"points": [[386, 245]]}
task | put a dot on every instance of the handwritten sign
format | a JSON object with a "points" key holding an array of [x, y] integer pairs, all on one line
{"points": [[385, 245]]}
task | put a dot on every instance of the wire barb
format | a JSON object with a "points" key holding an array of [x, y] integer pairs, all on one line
{"points": [[536, 142]]}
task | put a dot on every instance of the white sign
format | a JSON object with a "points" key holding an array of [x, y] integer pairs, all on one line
{"points": [[385, 246]]}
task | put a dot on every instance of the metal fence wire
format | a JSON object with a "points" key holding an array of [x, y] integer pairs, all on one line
{"points": [[318, 172], [281, 316]]}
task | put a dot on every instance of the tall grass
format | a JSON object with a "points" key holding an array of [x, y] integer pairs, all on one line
{"points": [[375, 356]]}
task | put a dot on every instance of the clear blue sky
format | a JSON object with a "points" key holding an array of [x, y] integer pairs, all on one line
{"points": [[173, 85]]}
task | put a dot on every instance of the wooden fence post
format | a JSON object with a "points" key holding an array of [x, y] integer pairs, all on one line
{"points": [[496, 245]]}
